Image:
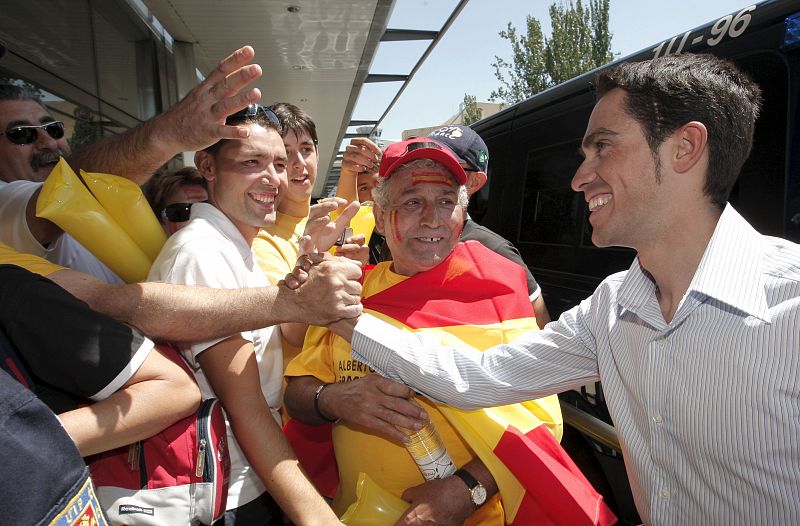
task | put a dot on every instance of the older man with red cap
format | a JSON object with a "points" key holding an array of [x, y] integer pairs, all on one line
{"points": [[433, 285]]}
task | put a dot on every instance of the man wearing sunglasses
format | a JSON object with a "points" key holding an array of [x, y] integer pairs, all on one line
{"points": [[31, 141], [243, 370]]}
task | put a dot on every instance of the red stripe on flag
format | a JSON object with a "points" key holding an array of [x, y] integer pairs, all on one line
{"points": [[552, 479], [530, 513], [473, 286]]}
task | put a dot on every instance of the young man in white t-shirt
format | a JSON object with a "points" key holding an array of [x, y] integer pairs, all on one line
{"points": [[244, 370]]}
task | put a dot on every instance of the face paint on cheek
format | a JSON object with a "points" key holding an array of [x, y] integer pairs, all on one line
{"points": [[393, 225], [421, 176]]}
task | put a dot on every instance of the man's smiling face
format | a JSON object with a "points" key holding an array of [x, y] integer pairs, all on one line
{"points": [[244, 177], [423, 221], [34, 161]]}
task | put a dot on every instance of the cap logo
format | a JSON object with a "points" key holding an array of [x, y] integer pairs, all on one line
{"points": [[483, 157], [451, 132]]}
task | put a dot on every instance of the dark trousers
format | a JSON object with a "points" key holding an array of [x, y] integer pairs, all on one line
{"points": [[261, 511]]}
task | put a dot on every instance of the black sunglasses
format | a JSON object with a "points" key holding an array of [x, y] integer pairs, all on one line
{"points": [[177, 212], [251, 111], [28, 134]]}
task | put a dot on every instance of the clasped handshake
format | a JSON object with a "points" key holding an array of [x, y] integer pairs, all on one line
{"points": [[328, 286]]}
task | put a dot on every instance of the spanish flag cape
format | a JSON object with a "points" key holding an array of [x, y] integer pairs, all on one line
{"points": [[477, 298]]}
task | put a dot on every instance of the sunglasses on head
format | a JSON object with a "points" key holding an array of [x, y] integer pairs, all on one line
{"points": [[28, 134], [251, 111], [177, 212]]}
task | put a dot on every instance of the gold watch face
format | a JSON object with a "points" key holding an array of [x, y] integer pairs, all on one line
{"points": [[478, 495]]}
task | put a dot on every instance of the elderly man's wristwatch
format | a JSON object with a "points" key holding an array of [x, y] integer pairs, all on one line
{"points": [[476, 490]]}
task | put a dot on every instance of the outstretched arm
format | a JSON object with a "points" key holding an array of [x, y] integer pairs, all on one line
{"points": [[538, 363], [170, 312], [194, 123]]}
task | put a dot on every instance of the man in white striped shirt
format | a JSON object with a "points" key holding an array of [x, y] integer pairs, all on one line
{"points": [[697, 344]]}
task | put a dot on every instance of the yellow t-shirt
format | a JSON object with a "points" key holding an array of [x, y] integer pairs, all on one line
{"points": [[276, 252], [327, 357], [276, 246], [35, 264]]}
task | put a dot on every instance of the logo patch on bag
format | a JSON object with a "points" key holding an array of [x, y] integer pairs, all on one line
{"points": [[128, 509]]}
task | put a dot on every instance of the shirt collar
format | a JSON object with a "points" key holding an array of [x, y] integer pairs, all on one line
{"points": [[730, 272], [731, 269], [214, 216]]}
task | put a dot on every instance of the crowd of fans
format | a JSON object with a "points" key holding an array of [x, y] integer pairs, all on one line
{"points": [[285, 333]]}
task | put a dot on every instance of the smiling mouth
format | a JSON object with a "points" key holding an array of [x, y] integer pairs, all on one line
{"points": [[299, 180], [264, 199], [599, 202], [429, 239]]}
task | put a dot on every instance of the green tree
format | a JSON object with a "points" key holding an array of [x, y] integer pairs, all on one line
{"points": [[580, 41], [470, 112]]}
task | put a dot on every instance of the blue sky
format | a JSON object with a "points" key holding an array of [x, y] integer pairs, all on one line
{"points": [[461, 62]]}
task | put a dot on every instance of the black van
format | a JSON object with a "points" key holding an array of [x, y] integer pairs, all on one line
{"points": [[534, 145]]}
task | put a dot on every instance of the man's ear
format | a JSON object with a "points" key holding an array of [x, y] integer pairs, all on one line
{"points": [[690, 146], [205, 164], [379, 218], [475, 181]]}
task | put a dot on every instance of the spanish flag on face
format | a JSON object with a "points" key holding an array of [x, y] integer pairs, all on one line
{"points": [[477, 298]]}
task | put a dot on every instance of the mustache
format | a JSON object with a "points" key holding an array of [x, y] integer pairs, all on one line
{"points": [[46, 157]]}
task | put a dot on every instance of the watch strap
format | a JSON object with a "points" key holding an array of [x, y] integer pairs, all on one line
{"points": [[477, 493], [468, 479]]}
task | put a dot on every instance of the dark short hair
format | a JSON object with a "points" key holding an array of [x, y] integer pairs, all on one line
{"points": [[13, 92], [259, 119], [665, 93], [295, 119], [162, 185]]}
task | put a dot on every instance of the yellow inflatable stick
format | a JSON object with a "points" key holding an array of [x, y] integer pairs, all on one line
{"points": [[65, 201], [124, 201], [375, 506]]}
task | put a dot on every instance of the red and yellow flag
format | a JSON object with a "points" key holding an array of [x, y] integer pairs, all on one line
{"points": [[477, 298]]}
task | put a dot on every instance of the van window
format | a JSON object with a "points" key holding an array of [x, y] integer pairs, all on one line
{"points": [[551, 211]]}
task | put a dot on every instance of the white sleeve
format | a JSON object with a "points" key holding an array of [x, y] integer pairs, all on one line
{"points": [[539, 363], [197, 262], [14, 230]]}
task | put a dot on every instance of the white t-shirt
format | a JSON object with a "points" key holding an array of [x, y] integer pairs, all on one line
{"points": [[66, 251], [210, 251]]}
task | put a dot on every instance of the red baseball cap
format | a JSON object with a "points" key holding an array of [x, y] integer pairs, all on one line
{"points": [[400, 153]]}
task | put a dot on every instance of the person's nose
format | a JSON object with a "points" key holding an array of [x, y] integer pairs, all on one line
{"points": [[431, 215], [297, 162], [584, 175], [44, 141], [271, 176]]}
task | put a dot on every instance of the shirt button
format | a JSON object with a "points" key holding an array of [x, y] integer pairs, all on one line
{"points": [[657, 419], [664, 494]]}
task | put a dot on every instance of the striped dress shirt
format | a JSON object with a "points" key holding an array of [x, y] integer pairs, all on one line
{"points": [[706, 407]]}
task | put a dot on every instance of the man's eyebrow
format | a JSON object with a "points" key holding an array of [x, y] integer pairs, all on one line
{"points": [[592, 137]]}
